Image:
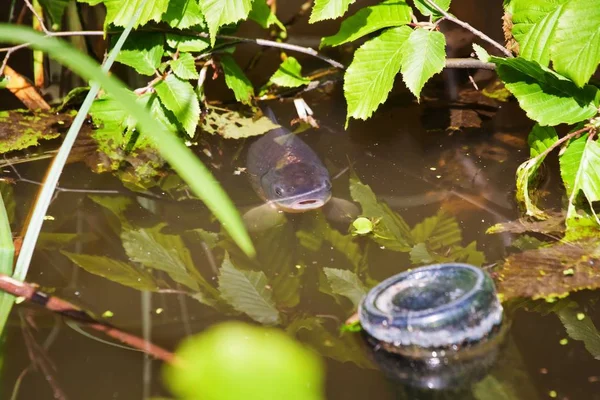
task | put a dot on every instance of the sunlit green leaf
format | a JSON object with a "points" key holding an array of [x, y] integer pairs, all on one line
{"points": [[233, 125], [182, 14], [576, 45], [547, 97], [423, 55], [581, 329], [222, 12], [236, 80], [387, 14], [261, 13], [187, 43], [481, 53], [248, 292], [120, 12], [346, 283], [370, 76], [289, 74], [234, 361], [184, 67], [427, 10], [534, 25], [540, 139], [329, 9], [580, 170], [114, 270], [179, 97]]}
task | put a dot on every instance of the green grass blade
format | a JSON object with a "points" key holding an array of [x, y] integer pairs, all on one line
{"points": [[181, 159], [7, 251]]}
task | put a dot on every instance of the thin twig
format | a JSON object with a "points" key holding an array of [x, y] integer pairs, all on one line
{"points": [[468, 27], [37, 16], [69, 310], [468, 63]]}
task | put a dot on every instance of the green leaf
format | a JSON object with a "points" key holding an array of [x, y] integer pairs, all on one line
{"points": [[222, 12], [438, 231], [289, 74], [390, 229], [362, 226], [540, 139], [184, 67], [423, 55], [546, 97], [264, 364], [481, 53], [248, 292], [55, 9], [534, 26], [187, 43], [427, 10], [143, 52], [328, 9], [233, 125], [576, 45], [367, 20], [346, 283], [580, 170], [261, 14], [120, 12], [370, 76], [236, 80], [114, 270], [581, 329], [179, 97], [420, 254], [183, 14]]}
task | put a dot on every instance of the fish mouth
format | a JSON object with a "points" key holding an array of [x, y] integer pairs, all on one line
{"points": [[302, 205]]}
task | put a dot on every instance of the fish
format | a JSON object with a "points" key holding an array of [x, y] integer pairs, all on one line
{"points": [[289, 177]]}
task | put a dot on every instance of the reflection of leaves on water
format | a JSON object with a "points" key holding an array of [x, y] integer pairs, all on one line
{"points": [[552, 271], [54, 241], [248, 292], [114, 270], [345, 283], [166, 253], [117, 205], [580, 327], [343, 348]]}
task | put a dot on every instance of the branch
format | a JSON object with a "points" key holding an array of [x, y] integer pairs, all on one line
{"points": [[69, 310], [468, 27], [468, 63]]}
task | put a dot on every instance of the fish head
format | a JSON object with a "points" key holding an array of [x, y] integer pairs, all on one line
{"points": [[297, 187]]}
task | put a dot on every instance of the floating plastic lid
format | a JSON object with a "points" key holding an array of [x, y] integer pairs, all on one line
{"points": [[436, 306]]}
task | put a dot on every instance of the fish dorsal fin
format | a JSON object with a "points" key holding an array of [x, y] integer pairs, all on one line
{"points": [[266, 110]]}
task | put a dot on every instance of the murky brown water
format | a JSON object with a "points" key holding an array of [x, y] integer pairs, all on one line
{"points": [[406, 156]]}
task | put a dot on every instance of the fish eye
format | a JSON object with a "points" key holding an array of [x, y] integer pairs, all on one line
{"points": [[279, 191]]}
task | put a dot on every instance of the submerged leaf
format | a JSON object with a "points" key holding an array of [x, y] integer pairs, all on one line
{"points": [[346, 283], [367, 20], [233, 125], [248, 292], [582, 329], [114, 270], [370, 76], [234, 361], [540, 273]]}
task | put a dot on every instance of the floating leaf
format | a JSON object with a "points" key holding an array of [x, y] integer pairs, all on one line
{"points": [[261, 14], [346, 283], [362, 226], [187, 43], [576, 45], [540, 273], [423, 55], [580, 170], [184, 67], [367, 20], [120, 12], [248, 292], [114, 270], [222, 12], [182, 14], [233, 125], [547, 97], [370, 76], [289, 74], [427, 10], [328, 9], [178, 96], [264, 364], [540, 139], [236, 80], [581, 329]]}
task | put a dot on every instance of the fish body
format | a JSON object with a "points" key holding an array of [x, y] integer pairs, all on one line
{"points": [[286, 173]]}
